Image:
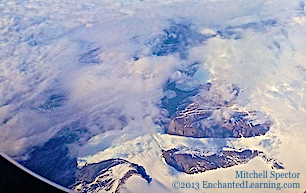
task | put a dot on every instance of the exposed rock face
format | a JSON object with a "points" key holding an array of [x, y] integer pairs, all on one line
{"points": [[192, 161], [213, 113], [210, 116], [204, 123], [196, 161], [109, 175], [274, 163]]}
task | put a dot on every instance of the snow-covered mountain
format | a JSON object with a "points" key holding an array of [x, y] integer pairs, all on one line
{"points": [[109, 175], [214, 115], [125, 82], [193, 161]]}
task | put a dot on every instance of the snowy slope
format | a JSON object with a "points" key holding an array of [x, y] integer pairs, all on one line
{"points": [[86, 81]]}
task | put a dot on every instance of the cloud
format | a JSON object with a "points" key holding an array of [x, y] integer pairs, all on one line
{"points": [[95, 64]]}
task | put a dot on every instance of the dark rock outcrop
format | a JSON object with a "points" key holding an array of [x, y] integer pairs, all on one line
{"points": [[109, 175], [209, 115], [193, 161], [201, 123]]}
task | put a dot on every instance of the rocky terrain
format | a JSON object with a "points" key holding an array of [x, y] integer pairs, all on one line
{"points": [[214, 113], [209, 115], [193, 161], [109, 175]]}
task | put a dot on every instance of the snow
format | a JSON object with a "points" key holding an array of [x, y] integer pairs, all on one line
{"points": [[48, 48]]}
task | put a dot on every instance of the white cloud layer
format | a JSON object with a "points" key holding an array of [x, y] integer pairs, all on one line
{"points": [[91, 62]]}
